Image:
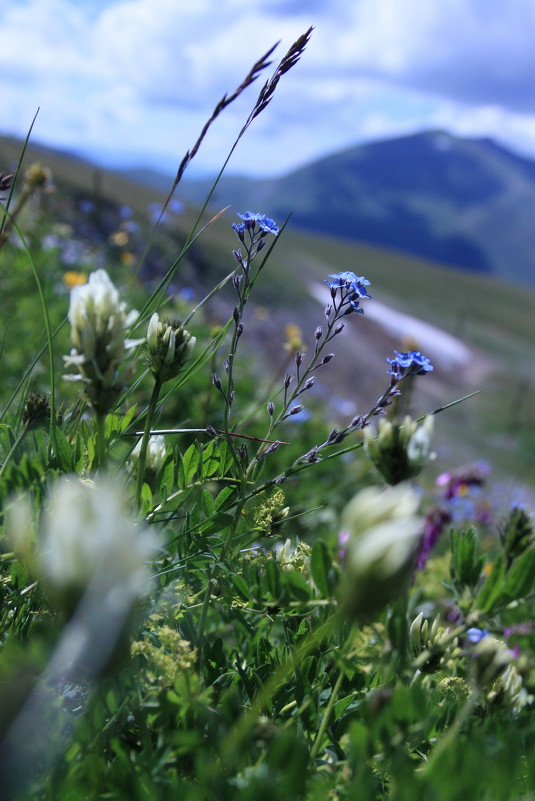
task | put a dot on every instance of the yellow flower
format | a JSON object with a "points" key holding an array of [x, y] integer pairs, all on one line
{"points": [[73, 278]]}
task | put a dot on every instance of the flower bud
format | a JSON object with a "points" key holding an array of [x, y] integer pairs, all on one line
{"points": [[491, 657], [399, 452], [155, 457], [169, 346], [383, 529], [431, 646]]}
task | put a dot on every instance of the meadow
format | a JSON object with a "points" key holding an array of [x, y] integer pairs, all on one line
{"points": [[250, 543]]}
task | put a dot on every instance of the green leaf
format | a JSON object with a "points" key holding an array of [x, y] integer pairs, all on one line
{"points": [[466, 563], [189, 464], [146, 499], [520, 577], [341, 705], [320, 564], [212, 458], [78, 456], [225, 493], [299, 587], [241, 585], [64, 452], [492, 590], [207, 503]]}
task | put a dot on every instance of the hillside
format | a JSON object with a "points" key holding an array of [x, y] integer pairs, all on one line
{"points": [[463, 202], [478, 331]]}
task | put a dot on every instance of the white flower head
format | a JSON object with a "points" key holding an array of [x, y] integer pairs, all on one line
{"points": [[98, 322], [384, 529], [156, 451], [88, 538]]}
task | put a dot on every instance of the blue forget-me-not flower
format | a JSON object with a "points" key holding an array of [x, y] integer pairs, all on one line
{"points": [[352, 289], [410, 363]]}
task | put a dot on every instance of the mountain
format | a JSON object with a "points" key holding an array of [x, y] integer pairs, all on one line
{"points": [[468, 203]]}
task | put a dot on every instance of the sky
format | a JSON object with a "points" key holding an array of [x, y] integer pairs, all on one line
{"points": [[130, 83]]}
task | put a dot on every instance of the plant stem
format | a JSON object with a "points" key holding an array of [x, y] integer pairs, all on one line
{"points": [[211, 577], [13, 449], [145, 441], [101, 442], [453, 730], [326, 717]]}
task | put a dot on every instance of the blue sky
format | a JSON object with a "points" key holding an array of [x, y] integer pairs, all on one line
{"points": [[131, 82]]}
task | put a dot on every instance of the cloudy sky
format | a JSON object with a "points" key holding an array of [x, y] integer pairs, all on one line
{"points": [[131, 82]]}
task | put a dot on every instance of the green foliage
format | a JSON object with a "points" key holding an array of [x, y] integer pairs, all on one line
{"points": [[240, 670]]}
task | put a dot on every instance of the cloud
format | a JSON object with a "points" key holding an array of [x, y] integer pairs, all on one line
{"points": [[479, 52], [134, 80]]}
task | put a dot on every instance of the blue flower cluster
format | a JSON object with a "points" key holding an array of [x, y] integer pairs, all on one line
{"points": [[410, 363], [352, 288], [251, 220]]}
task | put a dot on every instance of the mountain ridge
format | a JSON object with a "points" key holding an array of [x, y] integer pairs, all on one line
{"points": [[468, 203]]}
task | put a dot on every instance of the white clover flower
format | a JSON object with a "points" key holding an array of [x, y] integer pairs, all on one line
{"points": [[384, 529], [156, 451], [98, 322], [88, 538]]}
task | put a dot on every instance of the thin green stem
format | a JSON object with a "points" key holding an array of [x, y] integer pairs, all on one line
{"points": [[453, 731], [233, 745], [13, 449], [326, 717], [101, 440], [213, 572], [145, 440]]}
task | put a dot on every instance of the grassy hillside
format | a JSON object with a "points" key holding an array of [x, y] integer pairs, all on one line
{"points": [[463, 202], [494, 320]]}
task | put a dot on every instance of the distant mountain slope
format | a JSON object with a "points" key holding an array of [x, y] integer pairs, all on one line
{"points": [[464, 202]]}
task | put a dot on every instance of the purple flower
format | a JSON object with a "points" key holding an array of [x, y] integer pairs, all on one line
{"points": [[410, 363], [434, 524], [343, 539]]}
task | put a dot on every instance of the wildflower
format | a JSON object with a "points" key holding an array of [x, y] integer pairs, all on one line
{"points": [[399, 452], [72, 278], [36, 411], [170, 346], [434, 524], [38, 177], [98, 322], [491, 658], [431, 645], [88, 539], [251, 220], [293, 557], [410, 363], [343, 539], [383, 528], [475, 635], [509, 689], [352, 289], [156, 452], [168, 661]]}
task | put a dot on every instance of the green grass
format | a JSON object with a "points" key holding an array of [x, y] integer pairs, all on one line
{"points": [[495, 319]]}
